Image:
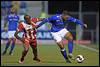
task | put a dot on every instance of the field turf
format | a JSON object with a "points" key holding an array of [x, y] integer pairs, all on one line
{"points": [[51, 56]]}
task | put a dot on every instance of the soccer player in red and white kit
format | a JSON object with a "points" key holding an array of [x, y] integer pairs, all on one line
{"points": [[29, 36]]}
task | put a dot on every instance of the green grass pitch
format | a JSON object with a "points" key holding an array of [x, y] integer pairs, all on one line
{"points": [[50, 56]]}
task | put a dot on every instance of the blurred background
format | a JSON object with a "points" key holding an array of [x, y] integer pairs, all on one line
{"points": [[86, 40], [86, 11]]}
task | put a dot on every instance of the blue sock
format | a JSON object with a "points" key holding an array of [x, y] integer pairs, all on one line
{"points": [[7, 45], [70, 46], [12, 46], [63, 51]]}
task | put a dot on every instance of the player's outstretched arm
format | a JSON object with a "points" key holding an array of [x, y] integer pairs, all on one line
{"points": [[16, 35], [19, 28], [35, 20], [40, 19], [77, 21], [43, 22]]}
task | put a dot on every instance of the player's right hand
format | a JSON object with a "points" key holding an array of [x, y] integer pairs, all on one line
{"points": [[85, 25]]}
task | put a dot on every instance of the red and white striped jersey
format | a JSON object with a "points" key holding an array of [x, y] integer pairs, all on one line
{"points": [[29, 30]]}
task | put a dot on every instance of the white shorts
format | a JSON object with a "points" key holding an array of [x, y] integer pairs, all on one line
{"points": [[58, 36], [11, 34]]}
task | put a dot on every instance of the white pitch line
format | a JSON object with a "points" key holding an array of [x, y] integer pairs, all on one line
{"points": [[89, 48]]}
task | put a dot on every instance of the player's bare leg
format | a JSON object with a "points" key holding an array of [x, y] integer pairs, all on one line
{"points": [[63, 51], [12, 46], [34, 49], [7, 46], [70, 44], [24, 53]]}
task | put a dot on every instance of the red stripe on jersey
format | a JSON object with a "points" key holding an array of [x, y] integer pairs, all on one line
{"points": [[20, 26], [30, 34], [35, 20]]}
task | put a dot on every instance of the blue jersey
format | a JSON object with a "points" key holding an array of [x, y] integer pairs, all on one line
{"points": [[58, 23], [12, 20]]}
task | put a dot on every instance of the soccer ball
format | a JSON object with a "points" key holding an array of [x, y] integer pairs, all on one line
{"points": [[79, 58]]}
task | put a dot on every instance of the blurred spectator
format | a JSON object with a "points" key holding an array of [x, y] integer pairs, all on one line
{"points": [[8, 4], [16, 4], [2, 22], [3, 8], [3, 4], [23, 7], [23, 10]]}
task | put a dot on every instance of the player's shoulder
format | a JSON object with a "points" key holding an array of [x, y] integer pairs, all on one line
{"points": [[21, 22], [9, 15], [55, 16], [34, 19], [16, 15], [71, 18]]}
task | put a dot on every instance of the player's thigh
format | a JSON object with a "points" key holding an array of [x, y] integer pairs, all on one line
{"points": [[33, 44], [69, 36], [56, 37], [9, 39], [58, 40], [13, 39], [60, 44], [26, 44], [63, 32]]}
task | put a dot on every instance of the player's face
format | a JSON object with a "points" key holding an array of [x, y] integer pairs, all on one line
{"points": [[64, 17], [13, 10], [27, 19]]}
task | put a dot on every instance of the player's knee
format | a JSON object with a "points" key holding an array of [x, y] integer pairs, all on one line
{"points": [[70, 37], [60, 44], [14, 40], [9, 40]]}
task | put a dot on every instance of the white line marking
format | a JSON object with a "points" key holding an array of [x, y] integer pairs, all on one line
{"points": [[88, 48]]}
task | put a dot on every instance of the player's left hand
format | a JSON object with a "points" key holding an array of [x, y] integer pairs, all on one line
{"points": [[85, 25]]}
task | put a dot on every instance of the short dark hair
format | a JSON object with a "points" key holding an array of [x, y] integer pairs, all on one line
{"points": [[26, 15], [65, 12]]}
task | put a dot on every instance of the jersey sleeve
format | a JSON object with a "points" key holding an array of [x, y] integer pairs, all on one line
{"points": [[46, 20], [20, 26], [43, 22], [34, 20], [75, 21]]}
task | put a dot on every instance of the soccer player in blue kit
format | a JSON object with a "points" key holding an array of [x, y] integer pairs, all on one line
{"points": [[59, 31], [12, 21]]}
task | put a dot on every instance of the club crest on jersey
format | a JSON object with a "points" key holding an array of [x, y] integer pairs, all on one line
{"points": [[58, 16]]}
